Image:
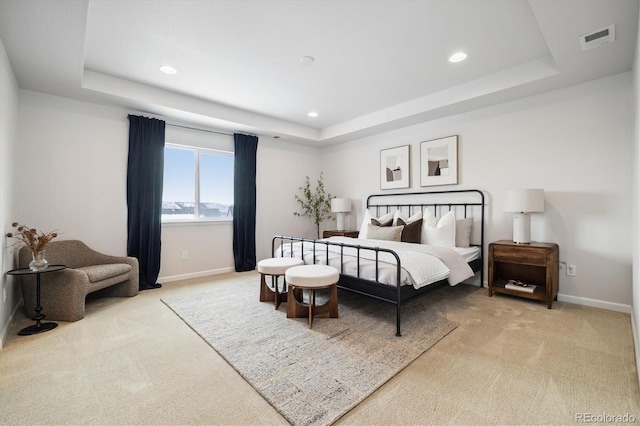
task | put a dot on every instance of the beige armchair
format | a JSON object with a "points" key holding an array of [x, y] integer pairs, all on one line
{"points": [[63, 293]]}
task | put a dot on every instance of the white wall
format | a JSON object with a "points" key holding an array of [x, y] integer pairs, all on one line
{"points": [[76, 182], [281, 168], [208, 245], [575, 143], [281, 171], [72, 176], [635, 315], [10, 294]]}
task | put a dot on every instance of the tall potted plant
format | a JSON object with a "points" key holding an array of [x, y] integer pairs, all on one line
{"points": [[316, 204]]}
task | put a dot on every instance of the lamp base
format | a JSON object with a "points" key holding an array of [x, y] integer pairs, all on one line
{"points": [[340, 221], [521, 228]]}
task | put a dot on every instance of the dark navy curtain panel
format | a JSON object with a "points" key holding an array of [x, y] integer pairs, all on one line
{"points": [[244, 202], [144, 195]]}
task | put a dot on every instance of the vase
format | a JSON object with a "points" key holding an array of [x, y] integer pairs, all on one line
{"points": [[39, 262]]}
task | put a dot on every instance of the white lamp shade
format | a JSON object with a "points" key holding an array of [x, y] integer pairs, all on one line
{"points": [[524, 200], [340, 205]]}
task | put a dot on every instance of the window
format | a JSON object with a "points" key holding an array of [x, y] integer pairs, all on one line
{"points": [[198, 184]]}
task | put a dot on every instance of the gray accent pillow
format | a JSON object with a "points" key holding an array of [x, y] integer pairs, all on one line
{"points": [[377, 222], [389, 233], [463, 232]]}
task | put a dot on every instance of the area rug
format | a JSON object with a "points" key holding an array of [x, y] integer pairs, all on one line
{"points": [[310, 376]]}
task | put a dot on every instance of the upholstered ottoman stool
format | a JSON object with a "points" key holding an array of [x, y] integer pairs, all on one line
{"points": [[276, 267], [312, 278]]}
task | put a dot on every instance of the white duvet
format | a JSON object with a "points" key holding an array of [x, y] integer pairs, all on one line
{"points": [[421, 264]]}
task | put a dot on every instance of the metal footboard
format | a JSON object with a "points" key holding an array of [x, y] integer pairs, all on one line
{"points": [[350, 282]]}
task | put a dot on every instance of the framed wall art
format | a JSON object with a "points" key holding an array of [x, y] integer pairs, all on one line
{"points": [[394, 168], [439, 161]]}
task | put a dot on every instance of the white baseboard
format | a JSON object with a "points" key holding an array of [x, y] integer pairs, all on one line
{"points": [[636, 344], [473, 281], [195, 275], [618, 307], [5, 331]]}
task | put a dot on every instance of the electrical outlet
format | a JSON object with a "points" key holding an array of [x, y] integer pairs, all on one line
{"points": [[185, 255], [571, 270]]}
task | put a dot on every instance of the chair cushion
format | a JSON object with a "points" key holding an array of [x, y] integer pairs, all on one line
{"points": [[312, 275], [103, 272]]}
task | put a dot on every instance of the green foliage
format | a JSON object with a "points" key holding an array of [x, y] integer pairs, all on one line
{"points": [[315, 204]]}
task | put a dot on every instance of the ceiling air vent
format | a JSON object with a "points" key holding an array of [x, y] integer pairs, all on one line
{"points": [[598, 38]]}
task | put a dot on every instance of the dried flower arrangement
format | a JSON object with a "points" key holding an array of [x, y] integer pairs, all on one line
{"points": [[31, 237]]}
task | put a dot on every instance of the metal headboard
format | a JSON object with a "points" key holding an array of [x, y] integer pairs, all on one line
{"points": [[464, 202]]}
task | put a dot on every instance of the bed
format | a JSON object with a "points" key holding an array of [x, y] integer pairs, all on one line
{"points": [[441, 243]]}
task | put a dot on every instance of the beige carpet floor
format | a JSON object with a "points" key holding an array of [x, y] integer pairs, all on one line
{"points": [[510, 361], [312, 376]]}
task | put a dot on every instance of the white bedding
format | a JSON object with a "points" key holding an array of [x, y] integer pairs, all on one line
{"points": [[421, 264], [468, 253]]}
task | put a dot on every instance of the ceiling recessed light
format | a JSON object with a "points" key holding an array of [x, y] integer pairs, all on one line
{"points": [[313, 114], [168, 69], [306, 60], [457, 57]]}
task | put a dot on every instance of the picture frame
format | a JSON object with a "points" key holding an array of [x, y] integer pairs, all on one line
{"points": [[439, 161], [394, 168]]}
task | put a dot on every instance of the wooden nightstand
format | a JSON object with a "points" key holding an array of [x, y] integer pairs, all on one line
{"points": [[535, 263], [352, 234]]}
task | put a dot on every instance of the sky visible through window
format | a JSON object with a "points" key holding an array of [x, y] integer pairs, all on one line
{"points": [[216, 178], [179, 189], [179, 175]]}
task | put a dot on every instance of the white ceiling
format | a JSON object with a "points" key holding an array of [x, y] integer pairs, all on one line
{"points": [[379, 65]]}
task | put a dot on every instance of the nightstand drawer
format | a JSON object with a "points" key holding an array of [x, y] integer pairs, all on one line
{"points": [[525, 255]]}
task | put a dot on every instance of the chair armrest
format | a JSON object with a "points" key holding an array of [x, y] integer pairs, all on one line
{"points": [[66, 282]]}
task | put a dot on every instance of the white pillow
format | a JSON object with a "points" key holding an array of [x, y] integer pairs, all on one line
{"points": [[399, 215], [463, 232], [389, 233], [439, 233], [367, 221]]}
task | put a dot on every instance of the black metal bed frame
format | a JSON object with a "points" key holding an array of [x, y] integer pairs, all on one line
{"points": [[375, 289]]}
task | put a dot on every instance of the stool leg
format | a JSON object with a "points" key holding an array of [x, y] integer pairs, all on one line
{"points": [[330, 308], [290, 298], [333, 302], [295, 309], [277, 292], [281, 297], [312, 301], [266, 295]]}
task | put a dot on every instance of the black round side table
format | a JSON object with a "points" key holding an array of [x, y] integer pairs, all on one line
{"points": [[39, 327]]}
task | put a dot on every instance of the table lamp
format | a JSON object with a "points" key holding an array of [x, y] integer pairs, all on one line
{"points": [[522, 202], [340, 206]]}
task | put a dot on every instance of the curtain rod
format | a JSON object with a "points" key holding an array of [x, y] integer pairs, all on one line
{"points": [[165, 119], [201, 130]]}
